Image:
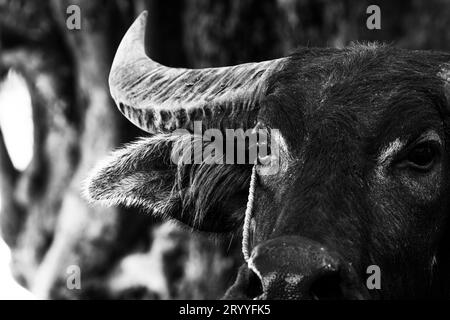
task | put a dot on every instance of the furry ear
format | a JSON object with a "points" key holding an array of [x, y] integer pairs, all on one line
{"points": [[208, 197], [139, 175]]}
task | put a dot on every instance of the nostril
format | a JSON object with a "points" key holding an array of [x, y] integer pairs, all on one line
{"points": [[255, 288], [327, 287], [292, 267]]}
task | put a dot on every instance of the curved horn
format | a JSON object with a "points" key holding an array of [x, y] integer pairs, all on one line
{"points": [[161, 99]]}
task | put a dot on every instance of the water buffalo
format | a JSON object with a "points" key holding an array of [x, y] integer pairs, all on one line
{"points": [[363, 173]]}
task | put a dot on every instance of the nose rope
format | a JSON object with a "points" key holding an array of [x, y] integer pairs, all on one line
{"points": [[248, 216]]}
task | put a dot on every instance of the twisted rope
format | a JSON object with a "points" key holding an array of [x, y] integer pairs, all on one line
{"points": [[248, 216]]}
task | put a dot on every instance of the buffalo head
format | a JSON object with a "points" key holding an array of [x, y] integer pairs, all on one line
{"points": [[363, 165]]}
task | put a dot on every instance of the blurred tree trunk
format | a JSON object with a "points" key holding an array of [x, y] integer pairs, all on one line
{"points": [[47, 224], [44, 219]]}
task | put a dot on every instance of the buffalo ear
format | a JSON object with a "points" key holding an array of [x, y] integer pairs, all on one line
{"points": [[138, 175], [206, 197]]}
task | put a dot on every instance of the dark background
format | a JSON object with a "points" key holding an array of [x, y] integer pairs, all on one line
{"points": [[124, 253]]}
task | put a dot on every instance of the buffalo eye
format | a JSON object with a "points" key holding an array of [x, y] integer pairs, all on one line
{"points": [[423, 156]]}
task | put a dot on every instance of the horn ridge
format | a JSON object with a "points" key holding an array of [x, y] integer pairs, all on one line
{"points": [[157, 98]]}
